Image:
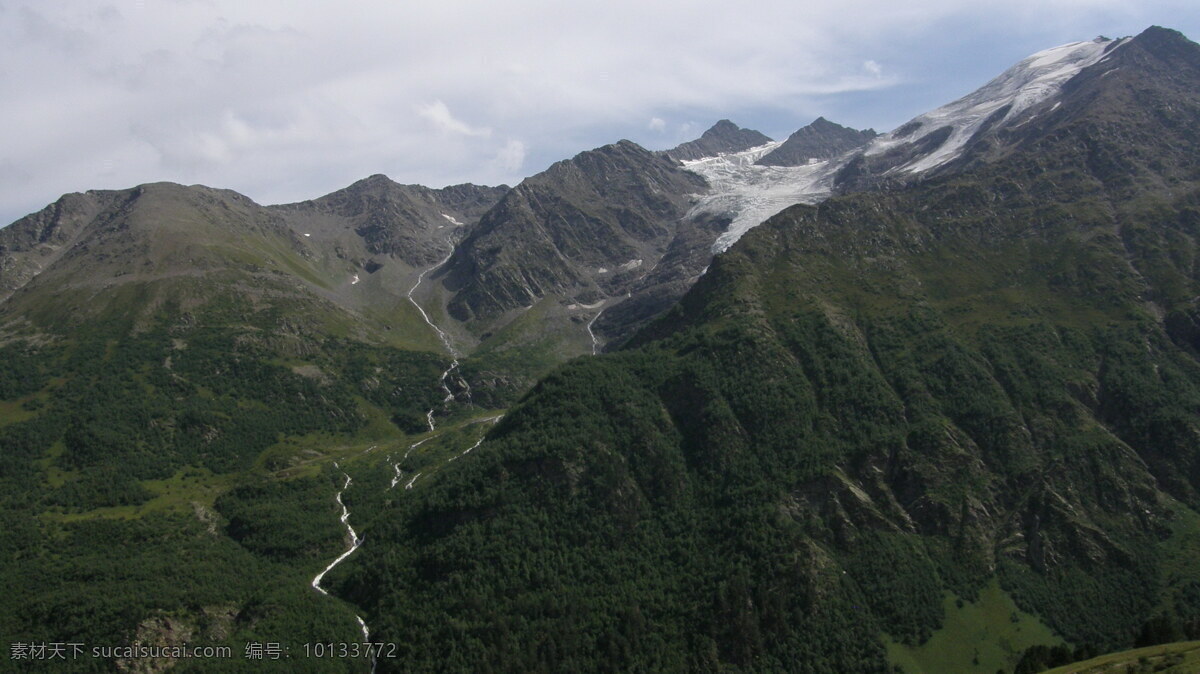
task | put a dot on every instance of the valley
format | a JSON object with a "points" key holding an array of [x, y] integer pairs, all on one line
{"points": [[925, 400]]}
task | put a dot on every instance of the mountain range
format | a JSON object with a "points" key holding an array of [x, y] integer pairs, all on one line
{"points": [[927, 399]]}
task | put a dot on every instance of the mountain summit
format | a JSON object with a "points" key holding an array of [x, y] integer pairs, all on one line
{"points": [[722, 137], [822, 139], [1024, 103]]}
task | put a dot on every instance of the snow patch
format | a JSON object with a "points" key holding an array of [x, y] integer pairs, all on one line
{"points": [[1022, 86], [452, 220], [749, 194]]}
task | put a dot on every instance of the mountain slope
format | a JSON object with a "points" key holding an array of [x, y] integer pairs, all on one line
{"points": [[617, 205], [410, 222], [1015, 104], [35, 241], [860, 406], [748, 186], [603, 228], [177, 381]]}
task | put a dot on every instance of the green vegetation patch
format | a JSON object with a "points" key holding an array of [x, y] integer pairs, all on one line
{"points": [[986, 635]]}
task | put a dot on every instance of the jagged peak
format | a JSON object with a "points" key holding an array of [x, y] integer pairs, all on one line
{"points": [[1167, 43], [820, 139], [723, 126], [720, 138]]}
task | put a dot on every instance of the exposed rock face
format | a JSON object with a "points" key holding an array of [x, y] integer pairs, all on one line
{"points": [[35, 241], [820, 140], [410, 222], [724, 136], [588, 228]]}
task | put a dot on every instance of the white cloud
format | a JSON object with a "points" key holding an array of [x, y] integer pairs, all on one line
{"points": [[285, 101], [511, 157], [439, 114]]}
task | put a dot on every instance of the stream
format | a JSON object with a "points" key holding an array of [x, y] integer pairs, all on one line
{"points": [[355, 541], [445, 339]]}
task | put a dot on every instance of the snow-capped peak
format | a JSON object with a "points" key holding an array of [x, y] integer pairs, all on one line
{"points": [[1022, 86], [748, 193]]}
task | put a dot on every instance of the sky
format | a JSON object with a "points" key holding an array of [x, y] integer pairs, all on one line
{"points": [[286, 101]]}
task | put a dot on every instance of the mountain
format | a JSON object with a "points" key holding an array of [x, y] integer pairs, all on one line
{"points": [[183, 361], [605, 227], [722, 137], [938, 412], [748, 187], [985, 384], [822, 139], [71, 258], [411, 222], [956, 134], [71, 262]]}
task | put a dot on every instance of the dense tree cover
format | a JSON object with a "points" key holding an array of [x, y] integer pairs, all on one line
{"points": [[405, 383], [860, 406], [96, 581], [641, 582], [101, 413], [775, 495], [21, 371], [282, 520], [142, 406]]}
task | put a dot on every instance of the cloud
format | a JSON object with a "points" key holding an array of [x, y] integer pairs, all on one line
{"points": [[439, 114], [511, 157], [285, 101]]}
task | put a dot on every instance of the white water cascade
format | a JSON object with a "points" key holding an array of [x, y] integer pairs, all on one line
{"points": [[396, 466], [445, 339], [355, 541], [595, 340]]}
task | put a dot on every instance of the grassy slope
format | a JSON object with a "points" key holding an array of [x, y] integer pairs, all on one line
{"points": [[1176, 658], [985, 635]]}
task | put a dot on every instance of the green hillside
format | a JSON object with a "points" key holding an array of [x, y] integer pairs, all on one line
{"points": [[984, 380]]}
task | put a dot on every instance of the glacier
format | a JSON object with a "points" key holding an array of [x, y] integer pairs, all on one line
{"points": [[749, 194]]}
